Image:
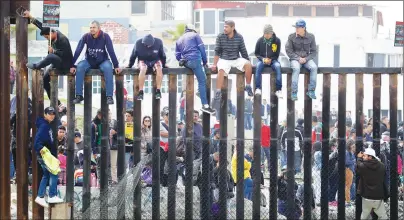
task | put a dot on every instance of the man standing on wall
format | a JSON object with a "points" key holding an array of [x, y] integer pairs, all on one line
{"points": [[150, 54], [97, 57], [190, 52], [267, 51], [59, 56], [301, 49], [229, 45]]}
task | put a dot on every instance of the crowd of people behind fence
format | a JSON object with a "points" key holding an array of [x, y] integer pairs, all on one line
{"points": [[190, 52]]}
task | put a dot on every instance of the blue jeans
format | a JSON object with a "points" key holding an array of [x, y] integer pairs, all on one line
{"points": [[247, 121], [199, 71], [276, 66], [47, 176], [298, 161], [267, 154], [309, 65], [182, 114], [282, 157], [248, 186], [12, 169], [105, 67]]}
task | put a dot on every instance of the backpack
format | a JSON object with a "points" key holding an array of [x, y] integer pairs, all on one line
{"points": [[78, 177]]}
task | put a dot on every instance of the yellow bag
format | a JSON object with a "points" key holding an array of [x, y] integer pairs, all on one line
{"points": [[52, 163], [129, 130]]}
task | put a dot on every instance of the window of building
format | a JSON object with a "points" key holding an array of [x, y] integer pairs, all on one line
{"points": [[367, 11], [325, 11], [280, 10], [210, 53], [348, 10], [395, 60], [179, 83], [209, 22], [96, 84], [301, 10], [197, 19], [336, 55], [376, 60], [221, 21], [138, 7], [148, 84]]}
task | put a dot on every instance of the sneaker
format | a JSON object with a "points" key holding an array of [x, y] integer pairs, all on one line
{"points": [[279, 94], [208, 109], [78, 99], [293, 97], [311, 94], [218, 95], [140, 95], [248, 89], [110, 100], [55, 199], [198, 94], [41, 201], [31, 66], [158, 94], [258, 92]]}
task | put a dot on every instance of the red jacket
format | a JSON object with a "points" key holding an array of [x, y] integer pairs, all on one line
{"points": [[265, 136]]}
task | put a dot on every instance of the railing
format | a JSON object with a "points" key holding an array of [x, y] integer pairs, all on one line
{"points": [[205, 188]]}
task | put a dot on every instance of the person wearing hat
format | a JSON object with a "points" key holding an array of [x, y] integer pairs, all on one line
{"points": [[190, 52], [99, 50], [267, 51], [229, 45], [301, 49], [371, 186], [44, 139], [150, 54], [61, 136]]}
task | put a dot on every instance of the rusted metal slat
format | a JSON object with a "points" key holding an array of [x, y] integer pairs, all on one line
{"points": [[223, 177], [88, 106], [359, 119], [290, 149], [240, 145], [157, 168], [54, 103], [393, 148], [104, 148], [22, 118], [377, 84], [273, 172], [307, 151], [137, 120], [256, 194], [325, 151], [189, 152], [341, 144], [172, 134], [71, 118]]}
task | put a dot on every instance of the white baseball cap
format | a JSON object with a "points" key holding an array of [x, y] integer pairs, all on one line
{"points": [[370, 152]]}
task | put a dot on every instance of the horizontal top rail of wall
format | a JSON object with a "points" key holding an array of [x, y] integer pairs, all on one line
{"points": [[267, 70]]}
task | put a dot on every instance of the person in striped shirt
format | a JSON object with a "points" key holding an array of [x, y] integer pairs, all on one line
{"points": [[229, 46]]}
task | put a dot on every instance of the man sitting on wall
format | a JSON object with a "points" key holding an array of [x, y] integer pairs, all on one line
{"points": [[150, 54], [59, 56], [97, 57]]}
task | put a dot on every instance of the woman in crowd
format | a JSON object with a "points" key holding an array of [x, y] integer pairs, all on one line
{"points": [[349, 168], [146, 138]]}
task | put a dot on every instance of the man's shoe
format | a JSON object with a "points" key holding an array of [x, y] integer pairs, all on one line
{"points": [[311, 94], [279, 94], [208, 109], [140, 95], [78, 99], [55, 199], [41, 201], [110, 100], [257, 91], [31, 66], [293, 97], [249, 91], [158, 94]]}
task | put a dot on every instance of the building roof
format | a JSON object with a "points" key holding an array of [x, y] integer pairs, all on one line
{"points": [[314, 3]]}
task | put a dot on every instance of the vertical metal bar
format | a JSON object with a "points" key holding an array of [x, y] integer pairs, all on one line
{"points": [[5, 110], [240, 145], [359, 135], [189, 152], [273, 172], [88, 106], [71, 108], [54, 103], [325, 151], [137, 125], [120, 118], [22, 117], [393, 147], [341, 143], [290, 152], [172, 134], [377, 84], [223, 152], [37, 111], [157, 168], [137, 108], [307, 152], [206, 191], [104, 171], [256, 194]]}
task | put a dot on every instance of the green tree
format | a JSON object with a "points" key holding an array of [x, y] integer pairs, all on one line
{"points": [[177, 32]]}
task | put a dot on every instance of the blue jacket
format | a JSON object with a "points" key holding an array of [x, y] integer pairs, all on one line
{"points": [[350, 161], [149, 55], [263, 109], [97, 49], [190, 47], [44, 136]]}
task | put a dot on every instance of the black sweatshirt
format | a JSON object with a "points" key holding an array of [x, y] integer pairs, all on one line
{"points": [[263, 50]]}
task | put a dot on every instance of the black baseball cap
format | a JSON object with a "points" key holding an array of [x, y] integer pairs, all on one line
{"points": [[77, 134], [61, 127], [50, 111]]}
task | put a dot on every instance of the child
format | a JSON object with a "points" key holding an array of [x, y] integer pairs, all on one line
{"points": [[62, 159], [44, 138]]}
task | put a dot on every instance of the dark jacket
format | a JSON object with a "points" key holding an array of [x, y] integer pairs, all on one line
{"points": [[44, 136], [265, 50], [61, 47], [113, 124], [383, 128], [98, 50], [371, 181], [263, 109], [150, 55], [301, 47], [190, 47], [96, 133], [248, 107], [197, 139]]}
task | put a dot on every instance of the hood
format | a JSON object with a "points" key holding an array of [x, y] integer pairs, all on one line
{"points": [[41, 121], [148, 40], [372, 164]]}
